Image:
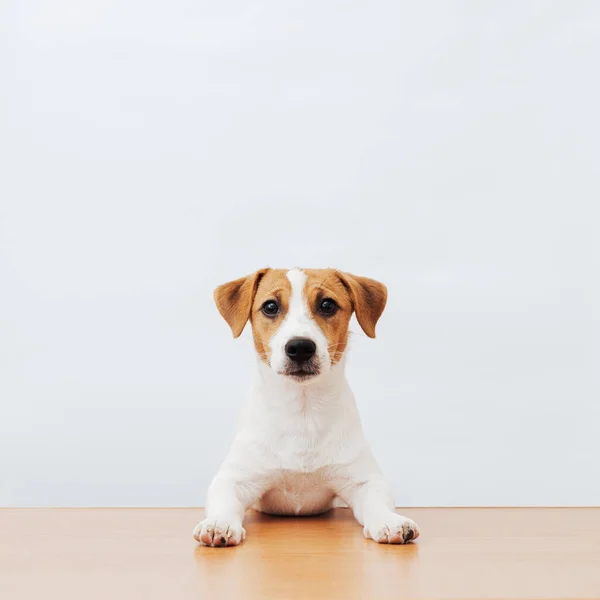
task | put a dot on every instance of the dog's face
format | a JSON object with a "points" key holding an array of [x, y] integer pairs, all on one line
{"points": [[300, 317]]}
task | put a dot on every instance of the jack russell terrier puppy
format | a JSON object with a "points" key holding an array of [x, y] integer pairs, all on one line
{"points": [[299, 448]]}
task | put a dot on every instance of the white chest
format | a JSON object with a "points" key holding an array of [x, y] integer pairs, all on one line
{"points": [[297, 493]]}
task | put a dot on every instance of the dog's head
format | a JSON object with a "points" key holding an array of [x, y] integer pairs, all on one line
{"points": [[300, 317]]}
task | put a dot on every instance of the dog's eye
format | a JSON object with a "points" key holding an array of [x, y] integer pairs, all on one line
{"points": [[270, 308], [328, 306]]}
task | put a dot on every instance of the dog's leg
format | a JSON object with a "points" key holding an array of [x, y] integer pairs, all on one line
{"points": [[227, 501], [370, 496]]}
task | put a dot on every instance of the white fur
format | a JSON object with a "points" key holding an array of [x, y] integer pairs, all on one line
{"points": [[300, 448]]}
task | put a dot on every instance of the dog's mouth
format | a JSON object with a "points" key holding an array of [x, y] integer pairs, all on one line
{"points": [[301, 373]]}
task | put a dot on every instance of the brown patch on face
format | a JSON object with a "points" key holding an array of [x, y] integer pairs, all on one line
{"points": [[351, 293], [325, 284], [242, 300], [274, 286]]}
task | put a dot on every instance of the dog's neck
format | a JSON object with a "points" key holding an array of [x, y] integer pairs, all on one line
{"points": [[284, 392]]}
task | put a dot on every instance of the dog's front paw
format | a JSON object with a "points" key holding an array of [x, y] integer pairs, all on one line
{"points": [[391, 528], [220, 532]]}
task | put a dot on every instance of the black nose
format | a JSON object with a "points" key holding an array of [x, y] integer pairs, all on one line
{"points": [[300, 349]]}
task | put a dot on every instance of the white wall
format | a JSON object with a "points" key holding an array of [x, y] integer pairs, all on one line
{"points": [[151, 151]]}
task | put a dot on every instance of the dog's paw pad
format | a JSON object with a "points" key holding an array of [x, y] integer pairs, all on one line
{"points": [[219, 532]]}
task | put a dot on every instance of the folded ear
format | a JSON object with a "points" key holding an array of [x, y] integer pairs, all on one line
{"points": [[234, 300], [368, 300]]}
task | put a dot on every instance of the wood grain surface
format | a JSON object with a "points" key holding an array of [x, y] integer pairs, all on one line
{"points": [[150, 553]]}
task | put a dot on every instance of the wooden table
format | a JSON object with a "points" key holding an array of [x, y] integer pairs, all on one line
{"points": [[150, 553]]}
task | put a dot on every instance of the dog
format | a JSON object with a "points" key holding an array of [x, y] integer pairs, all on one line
{"points": [[299, 447]]}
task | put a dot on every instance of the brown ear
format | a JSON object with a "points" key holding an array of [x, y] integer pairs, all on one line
{"points": [[234, 300], [368, 299]]}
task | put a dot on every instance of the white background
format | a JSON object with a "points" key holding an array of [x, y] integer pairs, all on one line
{"points": [[151, 151]]}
